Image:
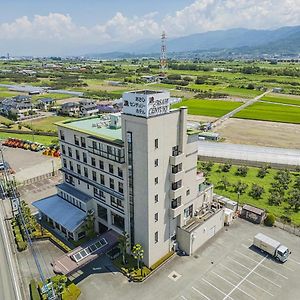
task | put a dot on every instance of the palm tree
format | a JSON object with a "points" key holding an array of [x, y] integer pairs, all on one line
{"points": [[124, 244]]}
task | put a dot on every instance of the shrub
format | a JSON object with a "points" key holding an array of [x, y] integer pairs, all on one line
{"points": [[226, 167], [72, 292], [256, 191], [34, 293], [241, 171], [269, 220], [21, 246]]}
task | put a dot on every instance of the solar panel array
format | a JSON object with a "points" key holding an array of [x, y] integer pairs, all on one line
{"points": [[89, 250]]}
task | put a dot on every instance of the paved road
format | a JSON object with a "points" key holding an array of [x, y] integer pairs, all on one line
{"points": [[8, 289], [235, 111]]}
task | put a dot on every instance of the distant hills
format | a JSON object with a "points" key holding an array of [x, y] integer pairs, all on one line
{"points": [[284, 40]]}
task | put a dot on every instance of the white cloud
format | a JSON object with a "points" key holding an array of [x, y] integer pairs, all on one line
{"points": [[200, 16]]}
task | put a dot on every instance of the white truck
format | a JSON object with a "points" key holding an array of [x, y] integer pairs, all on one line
{"points": [[272, 247]]}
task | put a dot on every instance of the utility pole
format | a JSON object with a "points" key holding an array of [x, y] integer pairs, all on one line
{"points": [[163, 54], [17, 210]]}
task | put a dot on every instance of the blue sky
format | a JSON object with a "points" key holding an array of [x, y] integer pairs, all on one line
{"points": [[64, 27]]}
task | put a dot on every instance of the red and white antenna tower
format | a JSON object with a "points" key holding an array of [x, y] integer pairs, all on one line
{"points": [[163, 55]]}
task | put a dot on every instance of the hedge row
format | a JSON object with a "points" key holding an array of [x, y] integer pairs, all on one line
{"points": [[21, 244]]}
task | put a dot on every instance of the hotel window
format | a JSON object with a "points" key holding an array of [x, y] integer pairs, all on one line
{"points": [[156, 237], [65, 163], [62, 136], [102, 212], [117, 221], [175, 151], [176, 185], [156, 143], [188, 212], [115, 202], [176, 202], [71, 166], [63, 149], [101, 165], [111, 169], [156, 217], [83, 142], [121, 187], [85, 170], [111, 183], [102, 181], [156, 180], [70, 151], [76, 140], [84, 157], [188, 192], [99, 194], [156, 162], [120, 172], [94, 175], [79, 169], [77, 154], [93, 161], [156, 198]]}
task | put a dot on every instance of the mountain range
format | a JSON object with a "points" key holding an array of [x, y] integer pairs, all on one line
{"points": [[284, 40]]}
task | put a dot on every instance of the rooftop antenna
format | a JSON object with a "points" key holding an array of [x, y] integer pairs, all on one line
{"points": [[163, 55]]}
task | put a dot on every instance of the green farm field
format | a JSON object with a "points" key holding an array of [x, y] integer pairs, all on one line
{"points": [[47, 124], [270, 112], [211, 108], [281, 99], [215, 176]]}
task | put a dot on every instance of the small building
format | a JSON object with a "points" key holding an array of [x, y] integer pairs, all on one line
{"points": [[45, 103], [149, 78], [70, 109], [20, 106], [277, 90], [88, 108], [210, 136], [252, 214]]}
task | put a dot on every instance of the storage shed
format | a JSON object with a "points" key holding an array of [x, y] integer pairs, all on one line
{"points": [[253, 214]]}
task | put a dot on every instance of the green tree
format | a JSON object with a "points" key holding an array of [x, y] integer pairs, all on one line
{"points": [[262, 172], [138, 253], [89, 224], [225, 167], [223, 183], [242, 171], [297, 183], [294, 199], [256, 191], [123, 245], [275, 198], [284, 178], [240, 188]]}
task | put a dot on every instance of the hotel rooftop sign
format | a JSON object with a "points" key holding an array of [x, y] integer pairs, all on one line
{"points": [[146, 103]]}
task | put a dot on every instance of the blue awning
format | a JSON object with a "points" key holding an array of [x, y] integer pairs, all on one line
{"points": [[61, 211]]}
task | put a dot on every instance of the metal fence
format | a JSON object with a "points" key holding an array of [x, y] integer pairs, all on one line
{"points": [[39, 178]]}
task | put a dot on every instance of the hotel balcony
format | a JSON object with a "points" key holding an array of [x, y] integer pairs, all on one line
{"points": [[176, 158], [176, 193], [174, 212], [176, 176]]}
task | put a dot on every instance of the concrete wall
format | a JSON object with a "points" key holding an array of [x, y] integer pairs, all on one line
{"points": [[189, 242]]}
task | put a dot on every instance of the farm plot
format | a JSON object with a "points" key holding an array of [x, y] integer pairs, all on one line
{"points": [[270, 112], [211, 108], [282, 99]]}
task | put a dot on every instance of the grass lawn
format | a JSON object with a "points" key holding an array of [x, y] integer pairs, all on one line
{"points": [[270, 112], [244, 93], [211, 108], [51, 95], [281, 99], [278, 211], [3, 119], [45, 140], [47, 124], [7, 94]]}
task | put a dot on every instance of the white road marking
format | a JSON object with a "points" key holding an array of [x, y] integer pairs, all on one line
{"points": [[256, 273], [233, 285], [245, 278], [215, 287], [200, 293], [295, 261], [246, 246], [182, 297], [264, 265]]}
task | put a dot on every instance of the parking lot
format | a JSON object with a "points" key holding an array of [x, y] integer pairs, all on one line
{"points": [[227, 267]]}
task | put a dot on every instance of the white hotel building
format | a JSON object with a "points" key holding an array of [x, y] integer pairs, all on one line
{"points": [[137, 172]]}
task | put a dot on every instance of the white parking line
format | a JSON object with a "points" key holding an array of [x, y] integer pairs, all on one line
{"points": [[245, 278], [295, 261], [200, 293], [246, 246], [215, 287], [260, 288], [182, 297], [264, 265], [256, 273], [233, 285]]}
